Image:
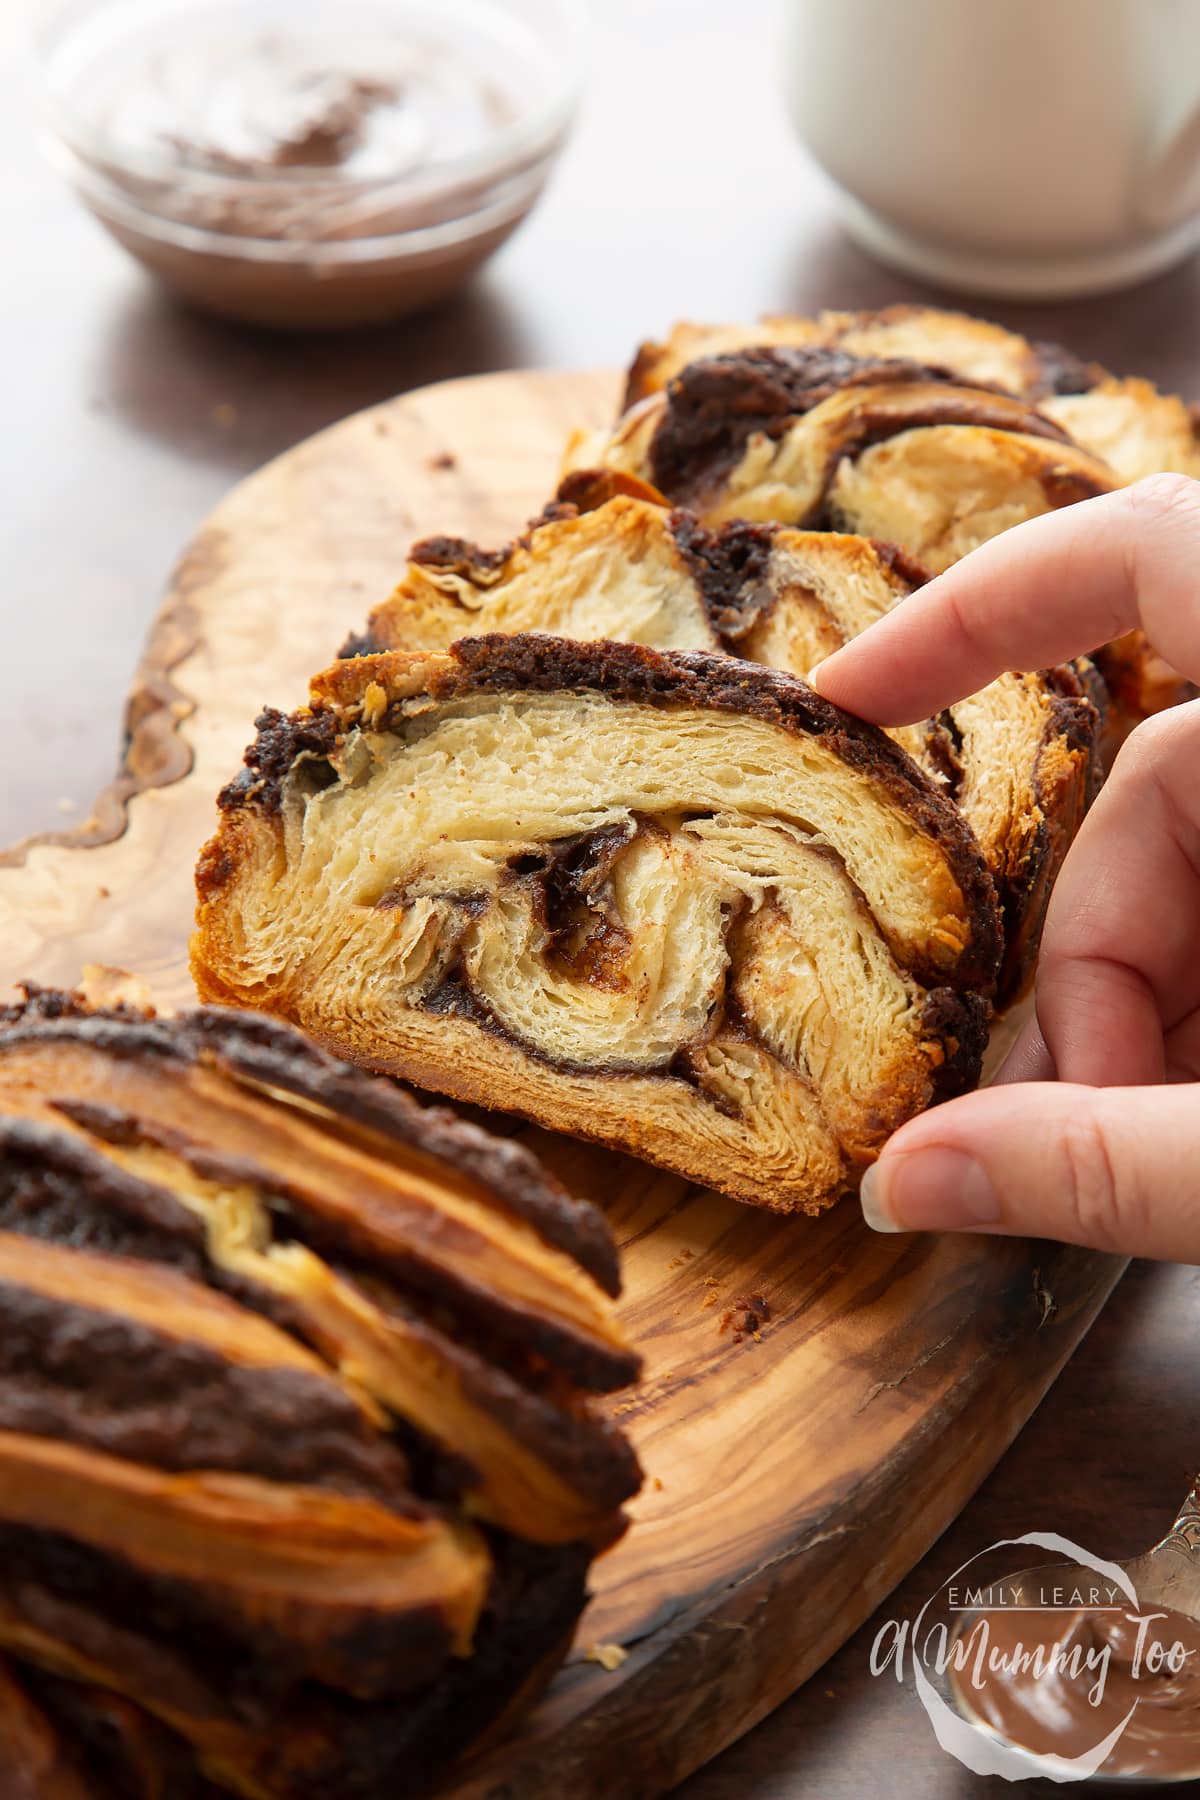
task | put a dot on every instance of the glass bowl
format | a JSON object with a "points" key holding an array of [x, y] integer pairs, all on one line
{"points": [[294, 164]]}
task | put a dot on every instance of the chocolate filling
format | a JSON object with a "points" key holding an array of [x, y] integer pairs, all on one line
{"points": [[54, 1187], [103, 1381], [714, 406], [730, 568], [1060, 371], [459, 556], [244, 1669], [274, 1055], [360, 643], [700, 679], [315, 1702], [961, 1020], [127, 1754], [572, 902], [281, 740], [110, 1383]]}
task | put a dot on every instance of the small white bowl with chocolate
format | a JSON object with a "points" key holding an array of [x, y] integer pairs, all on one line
{"points": [[292, 165]]}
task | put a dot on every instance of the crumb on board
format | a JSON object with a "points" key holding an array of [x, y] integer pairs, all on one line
{"points": [[609, 1656], [746, 1317], [658, 1486], [443, 460], [684, 1256]]}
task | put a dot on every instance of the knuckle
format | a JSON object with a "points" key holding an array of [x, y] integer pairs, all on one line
{"points": [[1154, 747], [1102, 1212], [1166, 495], [960, 621]]}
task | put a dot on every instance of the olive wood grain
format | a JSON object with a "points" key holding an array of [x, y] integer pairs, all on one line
{"points": [[794, 1474]]}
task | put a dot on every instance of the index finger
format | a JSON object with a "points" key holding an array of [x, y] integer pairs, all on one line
{"points": [[1041, 593]]}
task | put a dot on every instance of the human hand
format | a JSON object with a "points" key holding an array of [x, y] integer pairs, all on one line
{"points": [[1092, 1134]]}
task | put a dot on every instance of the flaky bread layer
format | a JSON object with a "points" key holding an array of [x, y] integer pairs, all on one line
{"points": [[1017, 758], [696, 911]]}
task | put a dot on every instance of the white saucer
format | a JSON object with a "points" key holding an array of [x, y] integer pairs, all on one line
{"points": [[1018, 277]]}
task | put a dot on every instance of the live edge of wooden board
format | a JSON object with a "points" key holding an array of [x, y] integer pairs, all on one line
{"points": [[793, 1475]]}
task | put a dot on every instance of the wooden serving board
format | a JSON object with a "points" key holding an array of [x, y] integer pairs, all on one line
{"points": [[793, 1475]]}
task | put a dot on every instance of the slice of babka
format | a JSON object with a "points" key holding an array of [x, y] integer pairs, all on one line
{"points": [[672, 901]]}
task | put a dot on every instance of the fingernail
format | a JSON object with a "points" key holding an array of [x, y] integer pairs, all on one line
{"points": [[811, 677], [928, 1190], [873, 1198]]}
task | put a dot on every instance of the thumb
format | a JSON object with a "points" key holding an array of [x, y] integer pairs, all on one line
{"points": [[1114, 1168]]}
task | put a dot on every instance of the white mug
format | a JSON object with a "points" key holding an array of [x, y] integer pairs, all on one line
{"points": [[1013, 147]]}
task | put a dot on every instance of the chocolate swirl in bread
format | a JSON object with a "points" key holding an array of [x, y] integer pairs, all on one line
{"points": [[299, 1480], [1125, 422], [899, 451], [1019, 758], [815, 422], [983, 354], [671, 901]]}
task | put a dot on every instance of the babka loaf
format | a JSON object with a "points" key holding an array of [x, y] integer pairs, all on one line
{"points": [[666, 900], [1127, 423], [299, 1477], [1019, 758]]}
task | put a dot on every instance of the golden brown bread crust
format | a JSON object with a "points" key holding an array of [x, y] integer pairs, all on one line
{"points": [[596, 934], [973, 348], [293, 1422], [783, 598]]}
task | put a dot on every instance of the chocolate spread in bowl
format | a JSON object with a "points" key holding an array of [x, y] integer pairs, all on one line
{"points": [[1096, 1665], [254, 102], [281, 165]]}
